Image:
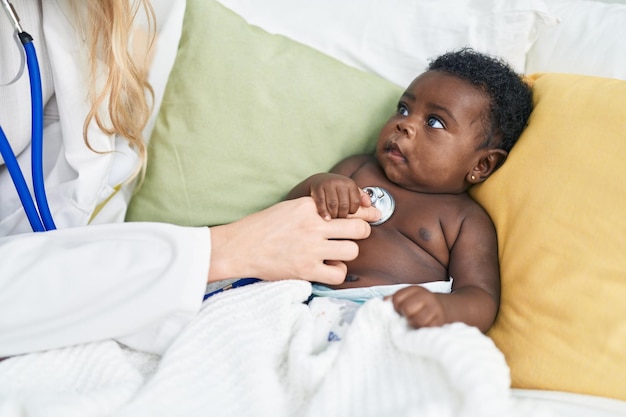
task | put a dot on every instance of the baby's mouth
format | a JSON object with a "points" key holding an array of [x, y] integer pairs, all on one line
{"points": [[393, 151]]}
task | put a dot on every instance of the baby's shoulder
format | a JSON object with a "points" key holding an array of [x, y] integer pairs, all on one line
{"points": [[353, 164], [473, 216], [462, 216], [459, 209], [467, 206]]}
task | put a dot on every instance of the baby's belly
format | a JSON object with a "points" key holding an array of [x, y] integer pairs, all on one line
{"points": [[393, 262]]}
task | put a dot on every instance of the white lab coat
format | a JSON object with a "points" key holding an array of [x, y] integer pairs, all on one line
{"points": [[94, 278]]}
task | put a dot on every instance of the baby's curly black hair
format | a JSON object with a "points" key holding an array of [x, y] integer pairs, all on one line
{"points": [[511, 97]]}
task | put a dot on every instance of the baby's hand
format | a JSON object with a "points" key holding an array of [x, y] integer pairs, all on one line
{"points": [[420, 307], [337, 196]]}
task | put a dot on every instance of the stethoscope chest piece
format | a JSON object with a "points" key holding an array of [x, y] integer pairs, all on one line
{"points": [[383, 201]]}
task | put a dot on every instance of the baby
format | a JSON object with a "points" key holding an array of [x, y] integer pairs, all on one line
{"points": [[453, 127]]}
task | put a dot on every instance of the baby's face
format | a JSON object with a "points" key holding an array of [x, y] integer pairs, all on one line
{"points": [[432, 141]]}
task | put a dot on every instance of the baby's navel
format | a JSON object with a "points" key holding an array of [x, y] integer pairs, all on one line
{"points": [[425, 234], [352, 278]]}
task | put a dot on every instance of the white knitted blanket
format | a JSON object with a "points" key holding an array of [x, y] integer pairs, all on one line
{"points": [[258, 351]]}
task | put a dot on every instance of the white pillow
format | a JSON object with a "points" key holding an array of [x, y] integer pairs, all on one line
{"points": [[395, 39], [590, 40]]}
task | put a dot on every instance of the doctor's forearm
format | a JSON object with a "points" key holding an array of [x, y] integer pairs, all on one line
{"points": [[118, 280]]}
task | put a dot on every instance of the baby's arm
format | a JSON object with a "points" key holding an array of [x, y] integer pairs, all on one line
{"points": [[335, 193], [475, 295]]}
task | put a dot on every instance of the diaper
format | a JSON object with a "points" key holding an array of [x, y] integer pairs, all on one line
{"points": [[362, 294]]}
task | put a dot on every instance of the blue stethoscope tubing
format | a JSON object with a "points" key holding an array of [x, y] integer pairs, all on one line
{"points": [[39, 216]]}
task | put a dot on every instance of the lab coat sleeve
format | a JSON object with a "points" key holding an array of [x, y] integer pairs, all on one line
{"points": [[139, 283]]}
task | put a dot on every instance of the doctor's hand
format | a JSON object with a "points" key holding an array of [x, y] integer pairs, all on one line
{"points": [[288, 241]]}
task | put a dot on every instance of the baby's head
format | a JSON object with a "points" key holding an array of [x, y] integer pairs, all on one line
{"points": [[510, 98], [454, 124]]}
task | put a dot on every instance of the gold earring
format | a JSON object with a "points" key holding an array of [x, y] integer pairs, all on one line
{"points": [[473, 178]]}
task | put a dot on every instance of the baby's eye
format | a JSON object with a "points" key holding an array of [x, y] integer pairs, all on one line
{"points": [[434, 123], [402, 109]]}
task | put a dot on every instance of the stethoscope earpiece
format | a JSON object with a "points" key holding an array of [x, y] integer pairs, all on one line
{"points": [[15, 22]]}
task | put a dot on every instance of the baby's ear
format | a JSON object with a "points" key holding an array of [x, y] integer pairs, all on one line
{"points": [[489, 161]]}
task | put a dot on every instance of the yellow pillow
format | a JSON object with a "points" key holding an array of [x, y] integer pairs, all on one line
{"points": [[559, 206]]}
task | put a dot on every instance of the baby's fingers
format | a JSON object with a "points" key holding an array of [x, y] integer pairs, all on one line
{"points": [[336, 202], [419, 306], [349, 201], [322, 204]]}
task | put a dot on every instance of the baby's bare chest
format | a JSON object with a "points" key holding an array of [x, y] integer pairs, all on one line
{"points": [[424, 224], [427, 220], [415, 242], [411, 247]]}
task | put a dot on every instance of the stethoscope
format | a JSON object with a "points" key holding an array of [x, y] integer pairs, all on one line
{"points": [[38, 215], [383, 201]]}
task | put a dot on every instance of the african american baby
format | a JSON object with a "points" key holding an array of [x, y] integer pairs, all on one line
{"points": [[453, 127]]}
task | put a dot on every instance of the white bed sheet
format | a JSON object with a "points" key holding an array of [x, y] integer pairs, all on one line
{"points": [[259, 351], [573, 405]]}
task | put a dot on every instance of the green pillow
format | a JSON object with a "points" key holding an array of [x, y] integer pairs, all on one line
{"points": [[246, 115]]}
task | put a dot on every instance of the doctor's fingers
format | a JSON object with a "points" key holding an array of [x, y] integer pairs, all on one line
{"points": [[367, 213], [323, 261], [329, 272], [353, 228], [338, 250]]}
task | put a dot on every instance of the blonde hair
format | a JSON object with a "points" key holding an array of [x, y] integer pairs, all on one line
{"points": [[108, 26]]}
